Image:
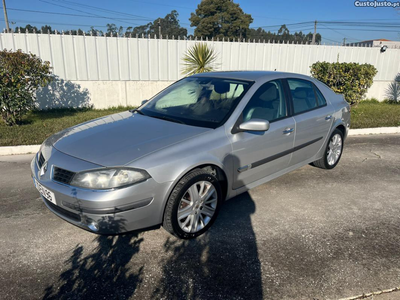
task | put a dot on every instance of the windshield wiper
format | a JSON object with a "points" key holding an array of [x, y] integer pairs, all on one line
{"points": [[137, 111], [168, 119], [161, 117]]}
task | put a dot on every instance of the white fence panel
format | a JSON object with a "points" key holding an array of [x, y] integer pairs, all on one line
{"points": [[91, 59], [69, 57], [57, 51], [159, 61], [41, 45], [102, 58], [162, 46], [144, 59]]}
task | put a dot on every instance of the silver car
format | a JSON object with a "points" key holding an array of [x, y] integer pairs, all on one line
{"points": [[202, 140]]}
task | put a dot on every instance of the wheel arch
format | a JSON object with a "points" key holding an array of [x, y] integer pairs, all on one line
{"points": [[337, 125], [342, 128], [220, 175]]}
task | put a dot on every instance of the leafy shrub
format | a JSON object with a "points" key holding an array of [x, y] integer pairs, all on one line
{"points": [[21, 75], [198, 59], [351, 79], [393, 90]]}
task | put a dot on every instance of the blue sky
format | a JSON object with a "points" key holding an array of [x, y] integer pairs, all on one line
{"points": [[264, 13]]}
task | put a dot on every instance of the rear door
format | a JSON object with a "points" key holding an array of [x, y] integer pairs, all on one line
{"points": [[259, 154], [313, 117]]}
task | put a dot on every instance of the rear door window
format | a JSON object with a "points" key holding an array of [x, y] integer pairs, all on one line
{"points": [[303, 95]]}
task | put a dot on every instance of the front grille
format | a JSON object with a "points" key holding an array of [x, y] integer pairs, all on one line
{"points": [[62, 176], [41, 160], [63, 212]]}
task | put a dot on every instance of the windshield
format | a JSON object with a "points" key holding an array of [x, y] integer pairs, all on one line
{"points": [[201, 101]]}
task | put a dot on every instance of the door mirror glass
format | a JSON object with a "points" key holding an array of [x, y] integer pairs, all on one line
{"points": [[254, 125]]}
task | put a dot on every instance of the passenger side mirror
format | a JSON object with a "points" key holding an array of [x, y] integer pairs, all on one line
{"points": [[144, 102], [254, 125]]}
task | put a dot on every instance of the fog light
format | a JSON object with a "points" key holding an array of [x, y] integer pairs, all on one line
{"points": [[94, 226]]}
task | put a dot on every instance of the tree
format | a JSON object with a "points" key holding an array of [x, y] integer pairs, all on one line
{"points": [[169, 26], [21, 75], [47, 29], [93, 31], [27, 29], [283, 35], [112, 29], [198, 59], [220, 18], [141, 30]]}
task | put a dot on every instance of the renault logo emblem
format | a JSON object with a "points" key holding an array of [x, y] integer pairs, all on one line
{"points": [[43, 169]]}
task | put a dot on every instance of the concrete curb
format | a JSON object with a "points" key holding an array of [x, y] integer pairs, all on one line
{"points": [[378, 130], [15, 150]]}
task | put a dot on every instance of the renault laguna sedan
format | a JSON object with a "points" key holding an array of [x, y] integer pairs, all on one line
{"points": [[202, 140]]}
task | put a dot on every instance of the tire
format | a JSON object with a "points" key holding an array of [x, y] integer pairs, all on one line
{"points": [[326, 161], [197, 206]]}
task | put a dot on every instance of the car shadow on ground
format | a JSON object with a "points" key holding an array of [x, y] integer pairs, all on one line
{"points": [[104, 272], [222, 263]]}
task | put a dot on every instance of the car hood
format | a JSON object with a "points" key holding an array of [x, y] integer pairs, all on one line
{"points": [[118, 139]]}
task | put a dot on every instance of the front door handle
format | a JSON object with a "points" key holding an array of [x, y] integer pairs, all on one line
{"points": [[288, 130], [328, 117]]}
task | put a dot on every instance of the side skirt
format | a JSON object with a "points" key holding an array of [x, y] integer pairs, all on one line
{"points": [[270, 177]]}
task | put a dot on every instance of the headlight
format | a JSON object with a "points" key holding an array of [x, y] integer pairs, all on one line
{"points": [[109, 178]]}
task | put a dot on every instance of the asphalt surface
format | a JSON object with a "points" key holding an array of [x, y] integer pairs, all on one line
{"points": [[310, 234]]}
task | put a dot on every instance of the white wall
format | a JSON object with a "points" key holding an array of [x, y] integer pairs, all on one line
{"points": [[118, 70], [124, 93]]}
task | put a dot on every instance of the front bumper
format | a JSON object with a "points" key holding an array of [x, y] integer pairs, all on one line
{"points": [[106, 212]]}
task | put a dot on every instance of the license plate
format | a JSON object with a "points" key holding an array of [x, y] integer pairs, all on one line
{"points": [[49, 195]]}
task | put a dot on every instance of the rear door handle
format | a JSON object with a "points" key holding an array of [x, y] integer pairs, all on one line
{"points": [[328, 117], [288, 130]]}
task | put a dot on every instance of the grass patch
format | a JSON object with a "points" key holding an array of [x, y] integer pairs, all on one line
{"points": [[371, 113], [38, 125]]}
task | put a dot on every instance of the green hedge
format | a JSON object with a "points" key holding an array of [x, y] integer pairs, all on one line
{"points": [[350, 79], [21, 75]]}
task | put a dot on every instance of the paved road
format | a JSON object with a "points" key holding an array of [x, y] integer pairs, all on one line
{"points": [[311, 234]]}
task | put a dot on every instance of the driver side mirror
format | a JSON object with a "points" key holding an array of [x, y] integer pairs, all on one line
{"points": [[254, 125]]}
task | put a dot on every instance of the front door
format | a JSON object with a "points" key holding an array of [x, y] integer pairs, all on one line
{"points": [[259, 154]]}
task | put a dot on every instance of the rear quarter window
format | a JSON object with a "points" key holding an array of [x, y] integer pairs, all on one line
{"points": [[320, 97]]}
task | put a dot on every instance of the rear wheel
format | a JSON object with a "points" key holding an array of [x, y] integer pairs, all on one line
{"points": [[333, 151], [193, 205]]}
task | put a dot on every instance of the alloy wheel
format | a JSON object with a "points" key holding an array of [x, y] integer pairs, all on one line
{"points": [[197, 206], [334, 149]]}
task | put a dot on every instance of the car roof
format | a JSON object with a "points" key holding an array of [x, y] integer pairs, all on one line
{"points": [[252, 75]]}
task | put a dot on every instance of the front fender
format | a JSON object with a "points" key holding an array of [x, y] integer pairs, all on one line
{"points": [[172, 163]]}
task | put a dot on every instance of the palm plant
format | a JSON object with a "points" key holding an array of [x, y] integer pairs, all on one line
{"points": [[393, 90], [198, 59]]}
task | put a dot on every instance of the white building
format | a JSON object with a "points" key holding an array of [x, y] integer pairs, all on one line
{"points": [[378, 43]]}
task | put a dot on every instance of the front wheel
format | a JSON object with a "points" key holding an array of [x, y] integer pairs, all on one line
{"points": [[193, 205], [333, 151]]}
